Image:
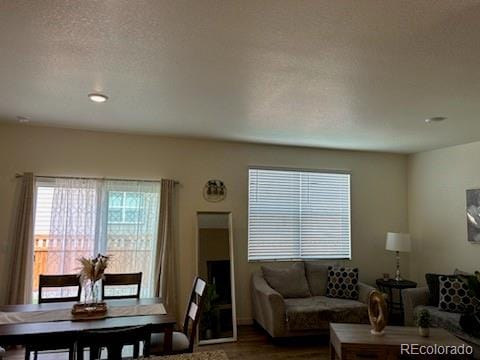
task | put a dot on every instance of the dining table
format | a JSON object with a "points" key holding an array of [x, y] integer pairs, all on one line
{"points": [[33, 323]]}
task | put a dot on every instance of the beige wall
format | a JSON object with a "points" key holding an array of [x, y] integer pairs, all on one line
{"points": [[437, 184], [379, 186]]}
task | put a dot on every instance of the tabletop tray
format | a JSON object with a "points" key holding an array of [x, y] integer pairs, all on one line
{"points": [[89, 311]]}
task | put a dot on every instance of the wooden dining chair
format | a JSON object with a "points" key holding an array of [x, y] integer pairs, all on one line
{"points": [[182, 342], [111, 280], [114, 341], [55, 281], [58, 281]]}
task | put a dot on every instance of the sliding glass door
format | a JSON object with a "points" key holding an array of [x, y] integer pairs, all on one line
{"points": [[83, 217], [129, 229]]}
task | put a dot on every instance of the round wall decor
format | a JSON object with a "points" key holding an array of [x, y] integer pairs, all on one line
{"points": [[214, 191]]}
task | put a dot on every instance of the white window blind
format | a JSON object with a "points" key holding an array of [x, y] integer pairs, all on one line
{"points": [[298, 215]]}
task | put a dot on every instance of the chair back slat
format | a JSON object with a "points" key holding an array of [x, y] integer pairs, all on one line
{"points": [[58, 281], [122, 280], [192, 313], [200, 287], [114, 341], [194, 310]]}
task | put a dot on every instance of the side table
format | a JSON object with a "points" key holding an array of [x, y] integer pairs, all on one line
{"points": [[388, 287]]}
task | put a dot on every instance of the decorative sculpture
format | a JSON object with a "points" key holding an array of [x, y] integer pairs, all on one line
{"points": [[214, 191], [377, 312]]}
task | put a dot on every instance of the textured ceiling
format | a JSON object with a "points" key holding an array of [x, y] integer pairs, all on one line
{"points": [[341, 74]]}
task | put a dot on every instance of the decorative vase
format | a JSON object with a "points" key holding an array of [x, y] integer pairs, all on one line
{"points": [[424, 331], [91, 292]]}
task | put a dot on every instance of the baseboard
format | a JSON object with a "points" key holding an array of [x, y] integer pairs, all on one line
{"points": [[245, 321]]}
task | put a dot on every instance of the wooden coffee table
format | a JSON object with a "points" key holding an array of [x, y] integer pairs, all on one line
{"points": [[354, 341]]}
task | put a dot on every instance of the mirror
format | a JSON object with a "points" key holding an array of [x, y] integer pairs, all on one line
{"points": [[215, 265]]}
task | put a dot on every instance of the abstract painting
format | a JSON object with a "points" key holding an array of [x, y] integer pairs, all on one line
{"points": [[473, 215]]}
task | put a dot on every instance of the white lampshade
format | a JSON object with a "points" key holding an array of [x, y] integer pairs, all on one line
{"points": [[398, 242]]}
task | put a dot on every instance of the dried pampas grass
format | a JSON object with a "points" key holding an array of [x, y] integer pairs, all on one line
{"points": [[93, 269]]}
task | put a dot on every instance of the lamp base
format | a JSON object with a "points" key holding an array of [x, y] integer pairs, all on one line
{"points": [[397, 272]]}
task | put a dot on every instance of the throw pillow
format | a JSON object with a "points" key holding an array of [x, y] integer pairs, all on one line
{"points": [[342, 282], [317, 276], [461, 272], [433, 285], [455, 295], [289, 282]]}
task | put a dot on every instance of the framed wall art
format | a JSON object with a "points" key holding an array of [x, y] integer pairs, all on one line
{"points": [[473, 215]]}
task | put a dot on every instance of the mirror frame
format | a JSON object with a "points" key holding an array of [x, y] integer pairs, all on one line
{"points": [[232, 275]]}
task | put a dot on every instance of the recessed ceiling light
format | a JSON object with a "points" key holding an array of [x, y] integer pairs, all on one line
{"points": [[98, 98], [23, 119], [435, 119]]}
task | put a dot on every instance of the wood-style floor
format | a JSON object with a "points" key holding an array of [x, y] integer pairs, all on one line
{"points": [[253, 343]]}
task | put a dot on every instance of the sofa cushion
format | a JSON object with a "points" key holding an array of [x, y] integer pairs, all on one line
{"points": [[461, 272], [290, 282], [316, 312], [342, 282], [443, 319], [317, 277], [455, 295], [448, 321]]}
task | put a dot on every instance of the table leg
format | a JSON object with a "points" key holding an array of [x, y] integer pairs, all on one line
{"points": [[167, 344], [332, 352]]}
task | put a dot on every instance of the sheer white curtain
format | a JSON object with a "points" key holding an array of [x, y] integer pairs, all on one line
{"points": [[66, 214], [83, 217], [72, 225]]}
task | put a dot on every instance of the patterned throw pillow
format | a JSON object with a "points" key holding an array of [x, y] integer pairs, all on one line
{"points": [[342, 282], [455, 296]]}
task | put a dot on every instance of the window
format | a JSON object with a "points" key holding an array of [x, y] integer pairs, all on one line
{"points": [[295, 214], [125, 207], [83, 217]]}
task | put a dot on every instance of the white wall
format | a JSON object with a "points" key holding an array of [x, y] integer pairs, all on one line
{"points": [[379, 187], [437, 202]]}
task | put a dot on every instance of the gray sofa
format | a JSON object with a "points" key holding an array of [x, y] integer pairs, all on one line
{"points": [[416, 299], [299, 316]]}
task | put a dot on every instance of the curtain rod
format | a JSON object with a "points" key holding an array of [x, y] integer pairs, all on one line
{"points": [[91, 178]]}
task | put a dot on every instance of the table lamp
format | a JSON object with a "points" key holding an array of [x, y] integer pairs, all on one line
{"points": [[398, 242]]}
